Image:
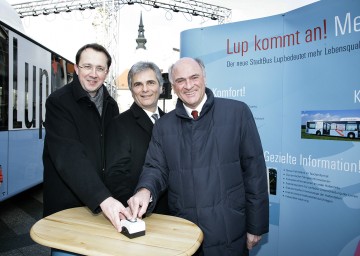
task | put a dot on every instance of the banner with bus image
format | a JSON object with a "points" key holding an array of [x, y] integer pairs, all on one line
{"points": [[299, 74]]}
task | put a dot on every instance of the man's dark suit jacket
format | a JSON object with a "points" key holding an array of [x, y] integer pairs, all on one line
{"points": [[127, 140]]}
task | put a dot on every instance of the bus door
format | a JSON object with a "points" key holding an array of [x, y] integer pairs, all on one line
{"points": [[326, 128], [3, 164], [4, 133], [4, 106]]}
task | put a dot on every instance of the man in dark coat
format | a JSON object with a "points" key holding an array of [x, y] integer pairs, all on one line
{"points": [[129, 134], [208, 154], [73, 156]]}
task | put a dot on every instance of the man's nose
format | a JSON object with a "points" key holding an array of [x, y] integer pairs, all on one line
{"points": [[188, 83], [145, 87], [93, 71]]}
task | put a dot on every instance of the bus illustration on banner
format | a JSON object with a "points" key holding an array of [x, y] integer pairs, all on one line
{"points": [[343, 128], [331, 124]]}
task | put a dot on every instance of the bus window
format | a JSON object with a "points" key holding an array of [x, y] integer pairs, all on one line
{"points": [[311, 125], [351, 127]]}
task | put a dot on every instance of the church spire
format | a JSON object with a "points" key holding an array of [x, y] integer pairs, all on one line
{"points": [[141, 40]]}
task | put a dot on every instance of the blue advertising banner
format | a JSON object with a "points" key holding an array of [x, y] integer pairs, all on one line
{"points": [[299, 73]]}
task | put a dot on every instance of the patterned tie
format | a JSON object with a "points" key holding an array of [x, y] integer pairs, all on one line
{"points": [[155, 117], [195, 114]]}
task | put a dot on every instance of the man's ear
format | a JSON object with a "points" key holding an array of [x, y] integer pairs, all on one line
{"points": [[76, 69]]}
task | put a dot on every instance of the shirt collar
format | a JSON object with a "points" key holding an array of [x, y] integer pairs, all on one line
{"points": [[149, 113], [198, 108]]}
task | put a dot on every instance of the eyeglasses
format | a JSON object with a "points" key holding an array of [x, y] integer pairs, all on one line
{"points": [[89, 68]]}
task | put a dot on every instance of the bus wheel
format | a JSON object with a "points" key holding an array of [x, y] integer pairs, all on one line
{"points": [[318, 133], [351, 135]]}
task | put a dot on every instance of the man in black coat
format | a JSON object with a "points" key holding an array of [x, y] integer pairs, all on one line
{"points": [[129, 134], [73, 156]]}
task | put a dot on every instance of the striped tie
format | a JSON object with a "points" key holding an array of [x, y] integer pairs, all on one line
{"points": [[155, 117]]}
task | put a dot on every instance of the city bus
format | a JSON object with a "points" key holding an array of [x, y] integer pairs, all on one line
{"points": [[29, 72], [342, 128]]}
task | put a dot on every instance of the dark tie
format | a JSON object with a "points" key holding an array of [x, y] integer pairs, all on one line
{"points": [[155, 116], [195, 114]]}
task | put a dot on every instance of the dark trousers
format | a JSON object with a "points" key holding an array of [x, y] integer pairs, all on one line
{"points": [[199, 252]]}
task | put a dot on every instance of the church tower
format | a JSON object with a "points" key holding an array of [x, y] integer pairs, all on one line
{"points": [[141, 40]]}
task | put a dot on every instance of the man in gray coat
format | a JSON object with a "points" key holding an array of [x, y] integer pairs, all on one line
{"points": [[208, 154]]}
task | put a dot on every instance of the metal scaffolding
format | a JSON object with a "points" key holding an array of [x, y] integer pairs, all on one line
{"points": [[107, 21], [195, 8]]}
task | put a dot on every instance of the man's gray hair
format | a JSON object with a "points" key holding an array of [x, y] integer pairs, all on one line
{"points": [[141, 66]]}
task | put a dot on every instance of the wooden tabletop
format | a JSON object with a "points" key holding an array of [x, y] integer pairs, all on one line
{"points": [[78, 230]]}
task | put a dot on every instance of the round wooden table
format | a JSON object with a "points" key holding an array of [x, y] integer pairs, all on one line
{"points": [[78, 230]]}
